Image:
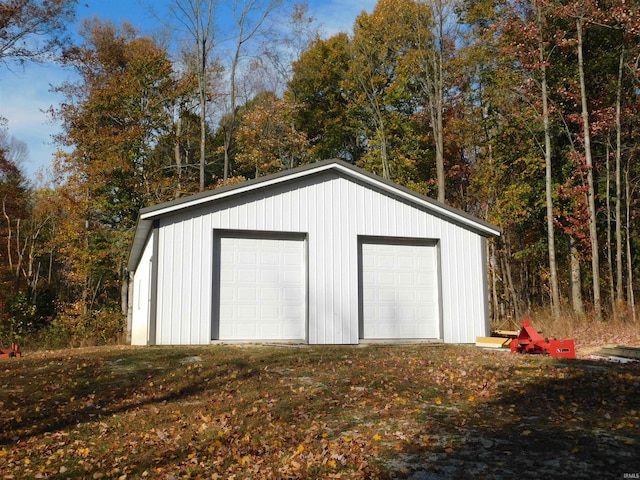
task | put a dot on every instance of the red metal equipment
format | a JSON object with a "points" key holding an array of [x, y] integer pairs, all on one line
{"points": [[530, 341], [14, 352]]}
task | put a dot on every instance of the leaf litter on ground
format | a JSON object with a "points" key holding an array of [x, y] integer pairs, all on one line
{"points": [[383, 411]]}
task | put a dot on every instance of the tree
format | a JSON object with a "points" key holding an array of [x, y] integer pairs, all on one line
{"points": [[265, 140], [284, 46], [14, 202], [33, 30], [376, 80], [322, 106], [113, 118], [250, 17], [198, 18], [433, 26]]}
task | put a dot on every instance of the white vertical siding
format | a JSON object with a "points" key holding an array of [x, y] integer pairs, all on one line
{"points": [[142, 296], [332, 211]]}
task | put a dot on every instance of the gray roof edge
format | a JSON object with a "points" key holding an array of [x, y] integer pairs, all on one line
{"points": [[143, 227]]}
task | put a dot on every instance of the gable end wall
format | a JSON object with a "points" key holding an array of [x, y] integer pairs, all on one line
{"points": [[333, 211]]}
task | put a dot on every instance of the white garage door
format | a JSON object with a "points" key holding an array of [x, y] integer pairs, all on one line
{"points": [[262, 289], [399, 292]]}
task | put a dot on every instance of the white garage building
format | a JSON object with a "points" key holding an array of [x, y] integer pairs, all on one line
{"points": [[323, 254]]}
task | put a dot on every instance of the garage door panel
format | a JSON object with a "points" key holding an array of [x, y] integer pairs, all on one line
{"points": [[294, 277], [247, 258], [399, 291], [262, 287], [246, 275]]}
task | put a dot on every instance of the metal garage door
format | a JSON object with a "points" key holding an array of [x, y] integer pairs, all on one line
{"points": [[399, 291], [261, 289]]}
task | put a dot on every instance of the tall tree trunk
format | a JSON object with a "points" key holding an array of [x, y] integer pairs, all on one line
{"points": [[609, 220], [593, 232], [382, 135], [250, 16], [202, 86], [177, 155], [432, 54], [233, 111], [555, 291], [510, 284], [618, 218], [198, 19], [439, 104], [437, 94], [575, 278], [630, 294]]}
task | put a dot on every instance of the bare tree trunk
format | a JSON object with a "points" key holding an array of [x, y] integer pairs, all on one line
{"points": [[553, 269], [438, 102], [593, 232], [366, 81], [202, 87], [630, 294], [197, 18], [177, 155], [8, 220], [432, 77], [249, 11], [575, 279], [609, 220], [510, 285], [618, 218]]}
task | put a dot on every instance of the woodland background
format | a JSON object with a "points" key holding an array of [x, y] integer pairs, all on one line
{"points": [[524, 113]]}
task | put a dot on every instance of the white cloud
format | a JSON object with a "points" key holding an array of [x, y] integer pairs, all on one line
{"points": [[24, 98]]}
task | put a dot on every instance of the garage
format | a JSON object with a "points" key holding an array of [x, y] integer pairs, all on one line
{"points": [[323, 254], [399, 291], [261, 288]]}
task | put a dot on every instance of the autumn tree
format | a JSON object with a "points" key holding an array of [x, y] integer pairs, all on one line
{"points": [[26, 299], [265, 141], [112, 119]]}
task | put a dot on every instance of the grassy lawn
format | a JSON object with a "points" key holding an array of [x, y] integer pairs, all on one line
{"points": [[410, 411]]}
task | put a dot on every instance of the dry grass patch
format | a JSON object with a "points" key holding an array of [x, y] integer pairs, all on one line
{"points": [[412, 411]]}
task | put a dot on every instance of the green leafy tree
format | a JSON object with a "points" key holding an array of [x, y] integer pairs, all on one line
{"points": [[321, 103]]}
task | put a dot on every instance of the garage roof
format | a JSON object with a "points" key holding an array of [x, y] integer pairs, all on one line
{"points": [[149, 214]]}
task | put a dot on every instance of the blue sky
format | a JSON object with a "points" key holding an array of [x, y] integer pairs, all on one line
{"points": [[25, 93]]}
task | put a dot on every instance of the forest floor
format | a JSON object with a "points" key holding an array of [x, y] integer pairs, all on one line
{"points": [[421, 411]]}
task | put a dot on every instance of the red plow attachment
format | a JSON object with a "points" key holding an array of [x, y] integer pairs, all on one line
{"points": [[530, 341], [14, 352]]}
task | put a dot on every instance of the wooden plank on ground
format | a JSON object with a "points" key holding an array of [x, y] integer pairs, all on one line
{"points": [[492, 342], [624, 352]]}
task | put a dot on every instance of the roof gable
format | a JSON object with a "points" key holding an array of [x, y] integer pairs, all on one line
{"points": [[149, 214]]}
